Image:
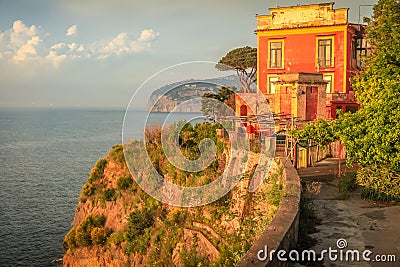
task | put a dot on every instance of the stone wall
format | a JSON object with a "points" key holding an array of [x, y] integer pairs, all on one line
{"points": [[282, 232]]}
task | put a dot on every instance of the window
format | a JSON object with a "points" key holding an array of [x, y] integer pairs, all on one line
{"points": [[352, 109], [329, 86], [276, 54], [325, 52], [353, 49], [271, 85], [360, 51]]}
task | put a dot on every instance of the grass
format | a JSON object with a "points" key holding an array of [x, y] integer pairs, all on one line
{"points": [[347, 185]]}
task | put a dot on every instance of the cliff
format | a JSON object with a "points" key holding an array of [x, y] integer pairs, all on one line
{"points": [[118, 224]]}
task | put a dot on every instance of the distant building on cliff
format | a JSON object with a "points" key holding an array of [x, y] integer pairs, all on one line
{"points": [[306, 56]]}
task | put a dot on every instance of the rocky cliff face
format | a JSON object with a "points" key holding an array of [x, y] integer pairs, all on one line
{"points": [[117, 224]]}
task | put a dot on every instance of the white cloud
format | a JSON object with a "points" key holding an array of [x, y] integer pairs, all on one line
{"points": [[19, 34], [72, 46], [28, 50], [19, 27], [148, 35], [81, 48], [28, 44], [56, 59], [122, 44], [72, 30], [57, 46]]}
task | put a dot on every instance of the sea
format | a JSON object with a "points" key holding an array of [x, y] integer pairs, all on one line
{"points": [[46, 156]]}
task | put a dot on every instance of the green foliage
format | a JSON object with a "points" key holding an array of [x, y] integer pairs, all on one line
{"points": [[99, 235], [255, 145], [348, 182], [117, 154], [109, 195], [221, 146], [376, 140], [220, 207], [88, 189], [84, 230], [116, 238], [90, 231], [379, 183], [142, 243], [372, 135], [193, 141], [322, 132], [138, 231], [347, 185], [275, 195], [230, 255], [241, 59], [98, 171], [176, 217], [190, 259], [83, 236], [210, 108], [124, 183], [138, 221], [69, 241], [371, 194]]}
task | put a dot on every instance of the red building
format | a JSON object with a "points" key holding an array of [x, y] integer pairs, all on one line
{"points": [[308, 40]]}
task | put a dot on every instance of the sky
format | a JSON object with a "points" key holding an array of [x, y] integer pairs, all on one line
{"points": [[96, 53]]}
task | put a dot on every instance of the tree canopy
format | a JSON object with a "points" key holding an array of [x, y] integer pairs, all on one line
{"points": [[372, 135], [244, 61]]}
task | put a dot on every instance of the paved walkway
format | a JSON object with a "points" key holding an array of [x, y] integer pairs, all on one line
{"points": [[365, 225]]}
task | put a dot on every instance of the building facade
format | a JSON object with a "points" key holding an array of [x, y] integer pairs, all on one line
{"points": [[308, 40]]}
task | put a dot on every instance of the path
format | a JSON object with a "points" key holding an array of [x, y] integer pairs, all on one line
{"points": [[364, 224]]}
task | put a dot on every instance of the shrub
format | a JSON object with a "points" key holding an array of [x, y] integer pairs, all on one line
{"points": [[255, 145], [88, 189], [176, 216], [221, 146], [117, 154], [371, 194], [190, 258], [379, 183], [117, 238], [99, 235], [109, 195], [347, 185], [142, 243], [83, 236], [69, 241], [275, 195], [348, 182], [124, 183], [90, 231], [138, 221], [96, 220], [98, 171]]}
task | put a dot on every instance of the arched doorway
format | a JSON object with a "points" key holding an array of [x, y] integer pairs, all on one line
{"points": [[243, 113]]}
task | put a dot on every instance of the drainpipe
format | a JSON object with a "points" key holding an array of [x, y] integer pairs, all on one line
{"points": [[340, 165], [295, 153]]}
